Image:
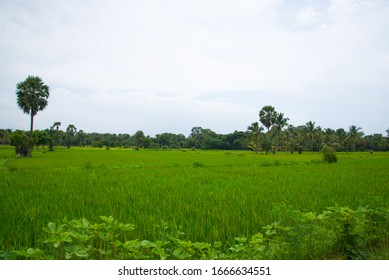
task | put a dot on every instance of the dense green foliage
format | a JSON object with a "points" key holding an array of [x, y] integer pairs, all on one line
{"points": [[21, 141], [337, 232], [214, 196], [329, 154], [32, 95], [291, 139]]}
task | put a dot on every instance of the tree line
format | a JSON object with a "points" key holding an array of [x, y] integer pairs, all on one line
{"points": [[307, 137], [272, 133]]}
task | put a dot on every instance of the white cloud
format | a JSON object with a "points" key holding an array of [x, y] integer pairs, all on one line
{"points": [[128, 65], [308, 16]]}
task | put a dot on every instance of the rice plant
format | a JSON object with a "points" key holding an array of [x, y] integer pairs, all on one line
{"points": [[212, 195]]}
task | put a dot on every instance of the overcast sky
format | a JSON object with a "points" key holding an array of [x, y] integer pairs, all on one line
{"points": [[169, 65]]}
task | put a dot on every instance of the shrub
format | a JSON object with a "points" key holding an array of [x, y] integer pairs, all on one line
{"points": [[22, 143], [329, 154]]}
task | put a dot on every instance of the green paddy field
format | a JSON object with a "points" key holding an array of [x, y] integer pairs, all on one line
{"points": [[213, 195]]}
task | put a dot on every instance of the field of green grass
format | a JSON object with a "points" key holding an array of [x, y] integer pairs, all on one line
{"points": [[213, 195]]}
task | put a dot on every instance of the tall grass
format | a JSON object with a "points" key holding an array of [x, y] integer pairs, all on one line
{"points": [[213, 195]]}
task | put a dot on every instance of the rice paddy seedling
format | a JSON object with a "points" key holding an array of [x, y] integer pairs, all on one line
{"points": [[214, 196]]}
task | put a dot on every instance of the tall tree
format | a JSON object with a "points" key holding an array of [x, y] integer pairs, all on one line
{"points": [[81, 138], [70, 132], [331, 139], [41, 137], [254, 139], [290, 138], [310, 133], [32, 95], [341, 135], [53, 135], [279, 123], [354, 135], [198, 136], [267, 116], [139, 139]]}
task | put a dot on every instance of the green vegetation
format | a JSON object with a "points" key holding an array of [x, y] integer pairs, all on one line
{"points": [[192, 204], [32, 95], [329, 154], [205, 196], [21, 141], [279, 137]]}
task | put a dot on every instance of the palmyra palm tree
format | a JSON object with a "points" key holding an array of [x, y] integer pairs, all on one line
{"points": [[53, 132], [70, 132], [32, 95]]}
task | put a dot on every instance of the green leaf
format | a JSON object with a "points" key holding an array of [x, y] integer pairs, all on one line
{"points": [[147, 244], [35, 253], [79, 236], [217, 244], [66, 238], [161, 253], [51, 226], [109, 219], [85, 222], [202, 245], [181, 254], [127, 227], [241, 239], [68, 255]]}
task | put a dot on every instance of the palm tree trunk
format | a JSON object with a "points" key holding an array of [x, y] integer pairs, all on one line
{"points": [[31, 130], [31, 124]]}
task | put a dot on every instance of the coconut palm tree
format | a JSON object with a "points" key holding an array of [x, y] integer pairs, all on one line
{"points": [[290, 138], [32, 95], [354, 136], [254, 139], [309, 132], [279, 123]]}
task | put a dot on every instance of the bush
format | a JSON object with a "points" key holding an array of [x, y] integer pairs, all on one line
{"points": [[329, 154], [22, 143]]}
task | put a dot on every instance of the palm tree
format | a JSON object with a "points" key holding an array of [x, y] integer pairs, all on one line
{"points": [[70, 132], [32, 95], [279, 123], [53, 134], [331, 139], [267, 116], [341, 136], [254, 131], [81, 138], [290, 141], [310, 133], [354, 135]]}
